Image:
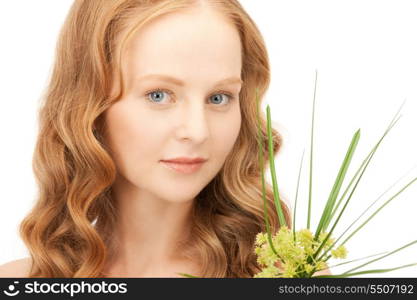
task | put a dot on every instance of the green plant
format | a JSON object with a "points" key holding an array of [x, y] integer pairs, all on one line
{"points": [[300, 253]]}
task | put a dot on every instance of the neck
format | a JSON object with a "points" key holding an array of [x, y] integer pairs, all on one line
{"points": [[150, 235]]}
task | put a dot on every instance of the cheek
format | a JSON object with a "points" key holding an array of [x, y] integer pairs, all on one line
{"points": [[131, 137], [226, 133]]}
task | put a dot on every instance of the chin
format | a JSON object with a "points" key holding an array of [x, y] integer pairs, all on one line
{"points": [[178, 197]]}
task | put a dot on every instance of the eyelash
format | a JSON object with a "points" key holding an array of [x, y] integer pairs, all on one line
{"points": [[231, 97]]}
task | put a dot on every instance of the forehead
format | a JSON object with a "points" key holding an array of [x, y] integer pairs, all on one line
{"points": [[191, 43]]}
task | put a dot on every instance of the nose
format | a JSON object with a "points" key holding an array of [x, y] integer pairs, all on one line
{"points": [[193, 122]]}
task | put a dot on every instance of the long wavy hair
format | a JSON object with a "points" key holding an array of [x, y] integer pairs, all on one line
{"points": [[69, 230]]}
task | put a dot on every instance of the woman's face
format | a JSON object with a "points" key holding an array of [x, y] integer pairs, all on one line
{"points": [[193, 113]]}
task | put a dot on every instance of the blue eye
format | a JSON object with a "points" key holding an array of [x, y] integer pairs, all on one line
{"points": [[157, 96], [217, 100]]}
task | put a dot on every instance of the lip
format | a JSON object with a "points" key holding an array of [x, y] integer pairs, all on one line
{"points": [[184, 165], [185, 160]]}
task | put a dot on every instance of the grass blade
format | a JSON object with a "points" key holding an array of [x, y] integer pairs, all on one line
{"points": [[296, 195], [340, 215], [376, 259], [261, 163], [187, 275], [280, 213], [311, 155], [366, 162], [392, 123], [381, 207], [365, 272], [367, 220], [343, 263], [354, 222], [353, 260], [338, 182]]}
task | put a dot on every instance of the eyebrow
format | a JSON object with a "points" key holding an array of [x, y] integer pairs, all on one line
{"points": [[179, 82]]}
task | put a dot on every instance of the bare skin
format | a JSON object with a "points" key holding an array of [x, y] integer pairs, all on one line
{"points": [[200, 48], [16, 268], [20, 269], [195, 119]]}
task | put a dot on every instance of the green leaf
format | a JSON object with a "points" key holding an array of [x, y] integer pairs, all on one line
{"points": [[369, 156], [367, 161], [379, 258], [325, 218], [381, 207], [353, 260], [354, 222], [187, 275], [278, 207], [296, 196], [369, 218], [311, 155], [365, 272], [261, 163]]}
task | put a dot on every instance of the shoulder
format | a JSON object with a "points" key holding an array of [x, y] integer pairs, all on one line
{"points": [[16, 268], [323, 272]]}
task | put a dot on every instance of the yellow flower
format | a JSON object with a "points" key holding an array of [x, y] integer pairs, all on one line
{"points": [[321, 265], [289, 270], [340, 252], [261, 238], [268, 272], [304, 235], [266, 255], [308, 268], [291, 256], [329, 241]]}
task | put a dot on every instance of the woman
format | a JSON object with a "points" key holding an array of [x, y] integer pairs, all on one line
{"points": [[135, 85]]}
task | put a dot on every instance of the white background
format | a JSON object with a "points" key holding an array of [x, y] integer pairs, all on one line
{"points": [[365, 55]]}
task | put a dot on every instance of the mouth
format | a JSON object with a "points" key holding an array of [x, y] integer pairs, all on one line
{"points": [[184, 168]]}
